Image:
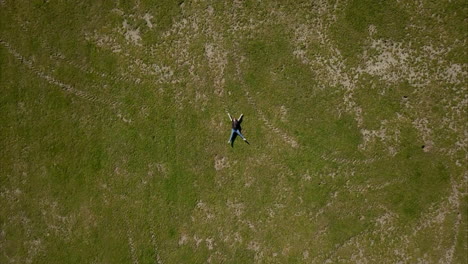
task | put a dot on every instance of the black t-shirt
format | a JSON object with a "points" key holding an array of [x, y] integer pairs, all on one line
{"points": [[235, 124]]}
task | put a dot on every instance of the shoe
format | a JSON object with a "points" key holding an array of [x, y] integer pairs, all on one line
{"points": [[229, 142]]}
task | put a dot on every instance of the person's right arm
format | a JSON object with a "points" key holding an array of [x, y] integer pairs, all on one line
{"points": [[230, 117]]}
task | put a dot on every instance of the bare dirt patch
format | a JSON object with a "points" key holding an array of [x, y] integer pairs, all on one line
{"points": [[221, 163], [147, 17], [131, 34]]}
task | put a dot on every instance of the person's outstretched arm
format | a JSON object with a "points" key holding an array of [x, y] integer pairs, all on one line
{"points": [[240, 118], [230, 117]]}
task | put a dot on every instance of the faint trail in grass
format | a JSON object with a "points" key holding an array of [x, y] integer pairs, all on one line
{"points": [[353, 239], [163, 73], [346, 161], [131, 244], [66, 87], [57, 55], [155, 247], [451, 205], [217, 60], [326, 206], [449, 254], [386, 228], [372, 187], [288, 139]]}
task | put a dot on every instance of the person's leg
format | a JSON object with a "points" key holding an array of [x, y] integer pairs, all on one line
{"points": [[240, 134], [232, 136]]}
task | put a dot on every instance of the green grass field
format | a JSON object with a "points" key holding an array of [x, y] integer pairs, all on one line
{"points": [[114, 130]]}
